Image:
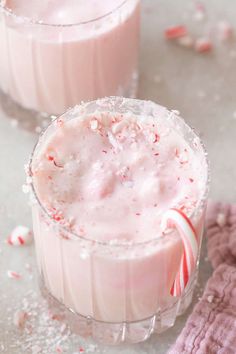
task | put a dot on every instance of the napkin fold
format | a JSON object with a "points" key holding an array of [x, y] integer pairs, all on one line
{"points": [[221, 234], [211, 328]]}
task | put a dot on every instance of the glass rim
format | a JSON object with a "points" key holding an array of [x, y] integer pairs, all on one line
{"points": [[7, 11], [73, 236]]}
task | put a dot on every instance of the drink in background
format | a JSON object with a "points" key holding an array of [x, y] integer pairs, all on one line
{"points": [[54, 54]]}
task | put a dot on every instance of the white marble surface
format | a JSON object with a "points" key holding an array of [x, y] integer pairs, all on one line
{"points": [[202, 87]]}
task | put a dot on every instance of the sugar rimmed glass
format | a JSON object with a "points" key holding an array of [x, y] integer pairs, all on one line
{"points": [[118, 292]]}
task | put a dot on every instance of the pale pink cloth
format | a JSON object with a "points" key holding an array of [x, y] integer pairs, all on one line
{"points": [[211, 328]]}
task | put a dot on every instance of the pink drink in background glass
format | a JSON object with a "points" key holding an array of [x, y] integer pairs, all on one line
{"points": [[103, 175], [56, 53]]}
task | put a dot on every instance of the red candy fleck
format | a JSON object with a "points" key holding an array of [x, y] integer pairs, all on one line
{"points": [[105, 152], [21, 240], [19, 236], [157, 138], [81, 350], [56, 217], [81, 231], [56, 317], [200, 7], [9, 241], [50, 158], [203, 45], [176, 152], [57, 165], [175, 32], [65, 237], [12, 274], [60, 122], [200, 13], [138, 214], [191, 180]]}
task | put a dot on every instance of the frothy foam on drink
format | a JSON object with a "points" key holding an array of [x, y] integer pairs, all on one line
{"points": [[111, 176]]}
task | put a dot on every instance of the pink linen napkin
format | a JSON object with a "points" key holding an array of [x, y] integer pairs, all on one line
{"points": [[211, 328], [221, 234]]}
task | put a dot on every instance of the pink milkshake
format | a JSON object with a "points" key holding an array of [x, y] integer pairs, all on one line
{"points": [[103, 175], [56, 53]]}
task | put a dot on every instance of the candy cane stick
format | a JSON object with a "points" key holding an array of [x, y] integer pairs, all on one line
{"points": [[176, 218]]}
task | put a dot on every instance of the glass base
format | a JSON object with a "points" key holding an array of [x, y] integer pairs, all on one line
{"points": [[36, 121], [126, 332], [25, 118]]}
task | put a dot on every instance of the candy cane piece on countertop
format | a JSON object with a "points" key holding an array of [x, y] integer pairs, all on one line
{"points": [[175, 32], [175, 218], [203, 44], [20, 236], [13, 275]]}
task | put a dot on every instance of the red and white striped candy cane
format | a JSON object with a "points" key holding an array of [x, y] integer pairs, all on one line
{"points": [[176, 218]]}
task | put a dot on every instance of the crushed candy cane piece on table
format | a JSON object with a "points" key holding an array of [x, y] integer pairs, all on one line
{"points": [[221, 219], [13, 275], [40, 334], [20, 236], [225, 30], [200, 6], [203, 44], [20, 318], [175, 32], [200, 12]]}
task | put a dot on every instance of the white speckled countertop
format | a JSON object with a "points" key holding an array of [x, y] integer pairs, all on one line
{"points": [[202, 87]]}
